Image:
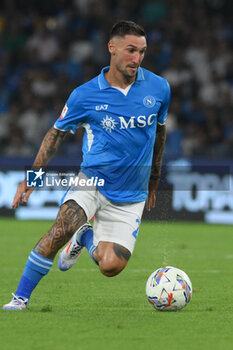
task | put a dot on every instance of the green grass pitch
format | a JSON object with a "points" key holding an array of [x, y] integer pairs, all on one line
{"points": [[81, 309]]}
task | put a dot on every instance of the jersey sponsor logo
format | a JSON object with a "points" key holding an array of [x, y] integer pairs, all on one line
{"points": [[101, 107], [149, 101], [108, 123], [63, 113], [141, 121]]}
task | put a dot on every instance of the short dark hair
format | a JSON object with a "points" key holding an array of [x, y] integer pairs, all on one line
{"points": [[124, 27]]}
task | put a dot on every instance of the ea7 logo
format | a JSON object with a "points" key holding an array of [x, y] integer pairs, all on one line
{"points": [[101, 107], [141, 121]]}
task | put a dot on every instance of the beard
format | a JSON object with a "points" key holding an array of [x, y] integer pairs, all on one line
{"points": [[127, 75]]}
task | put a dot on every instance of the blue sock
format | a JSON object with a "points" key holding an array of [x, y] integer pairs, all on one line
{"points": [[87, 241], [36, 267]]}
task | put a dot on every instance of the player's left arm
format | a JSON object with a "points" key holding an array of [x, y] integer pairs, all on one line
{"points": [[156, 165], [158, 147]]}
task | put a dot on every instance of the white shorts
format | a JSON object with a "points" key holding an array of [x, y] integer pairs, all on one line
{"points": [[114, 222]]}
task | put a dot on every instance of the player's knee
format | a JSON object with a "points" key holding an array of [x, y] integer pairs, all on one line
{"points": [[111, 267], [70, 217], [112, 258]]}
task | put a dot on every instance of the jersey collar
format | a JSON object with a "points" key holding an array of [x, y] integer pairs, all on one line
{"points": [[103, 84]]}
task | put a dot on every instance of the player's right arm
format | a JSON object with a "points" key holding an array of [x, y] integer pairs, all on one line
{"points": [[48, 148]]}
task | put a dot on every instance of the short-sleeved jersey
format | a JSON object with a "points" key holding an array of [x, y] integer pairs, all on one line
{"points": [[120, 131]]}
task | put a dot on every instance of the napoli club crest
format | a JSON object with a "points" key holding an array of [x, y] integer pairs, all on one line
{"points": [[149, 101]]}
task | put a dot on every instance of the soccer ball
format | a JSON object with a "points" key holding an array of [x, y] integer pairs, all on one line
{"points": [[169, 288]]}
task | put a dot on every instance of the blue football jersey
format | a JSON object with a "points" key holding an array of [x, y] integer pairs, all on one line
{"points": [[120, 131]]}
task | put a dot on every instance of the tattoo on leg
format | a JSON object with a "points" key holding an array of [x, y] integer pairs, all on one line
{"points": [[70, 217], [121, 252]]}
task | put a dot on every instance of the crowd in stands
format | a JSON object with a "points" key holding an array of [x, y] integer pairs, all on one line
{"points": [[49, 47]]}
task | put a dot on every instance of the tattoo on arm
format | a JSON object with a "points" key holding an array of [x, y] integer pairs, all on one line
{"points": [[70, 217], [49, 147], [158, 151], [121, 252]]}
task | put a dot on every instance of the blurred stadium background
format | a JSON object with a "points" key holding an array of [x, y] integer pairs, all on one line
{"points": [[47, 48]]}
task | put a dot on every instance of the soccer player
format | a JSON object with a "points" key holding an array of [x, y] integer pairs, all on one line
{"points": [[123, 111]]}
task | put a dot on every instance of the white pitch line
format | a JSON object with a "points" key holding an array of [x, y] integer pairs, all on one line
{"points": [[230, 256], [142, 270], [83, 269]]}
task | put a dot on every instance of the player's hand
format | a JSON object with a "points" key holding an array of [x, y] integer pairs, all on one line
{"points": [[22, 194], [151, 199]]}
